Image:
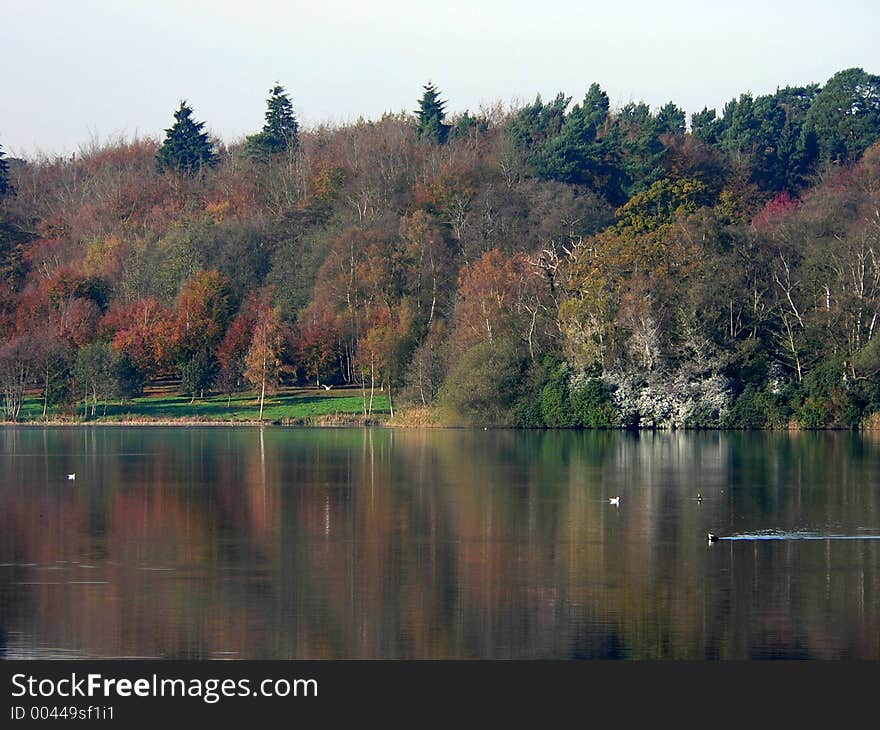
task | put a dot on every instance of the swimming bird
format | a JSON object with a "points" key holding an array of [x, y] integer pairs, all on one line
{"points": [[71, 477], [712, 537], [614, 500], [699, 497]]}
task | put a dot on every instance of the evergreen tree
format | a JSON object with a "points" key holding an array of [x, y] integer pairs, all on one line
{"points": [[431, 115], [637, 133], [186, 147], [705, 126], [579, 155], [281, 130], [466, 125], [845, 115], [670, 119], [538, 122], [4, 174]]}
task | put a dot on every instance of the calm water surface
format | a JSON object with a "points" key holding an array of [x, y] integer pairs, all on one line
{"points": [[359, 543]]}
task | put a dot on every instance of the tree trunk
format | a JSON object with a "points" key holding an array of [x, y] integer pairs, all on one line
{"points": [[262, 397], [46, 395], [372, 384]]}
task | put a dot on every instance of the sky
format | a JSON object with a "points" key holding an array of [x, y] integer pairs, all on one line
{"points": [[80, 71]]}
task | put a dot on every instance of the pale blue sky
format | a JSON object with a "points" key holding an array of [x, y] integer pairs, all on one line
{"points": [[75, 69]]}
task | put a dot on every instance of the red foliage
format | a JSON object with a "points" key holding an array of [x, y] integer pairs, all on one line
{"points": [[142, 330], [776, 211], [235, 344]]}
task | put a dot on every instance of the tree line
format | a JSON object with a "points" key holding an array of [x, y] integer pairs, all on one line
{"points": [[548, 265]]}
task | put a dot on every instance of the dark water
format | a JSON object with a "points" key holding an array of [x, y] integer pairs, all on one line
{"points": [[296, 543]]}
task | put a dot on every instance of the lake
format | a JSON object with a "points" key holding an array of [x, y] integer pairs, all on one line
{"points": [[288, 543]]}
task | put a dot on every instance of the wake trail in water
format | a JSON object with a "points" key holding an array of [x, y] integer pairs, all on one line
{"points": [[796, 535]]}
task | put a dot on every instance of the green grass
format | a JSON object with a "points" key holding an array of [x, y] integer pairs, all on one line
{"points": [[293, 403]]}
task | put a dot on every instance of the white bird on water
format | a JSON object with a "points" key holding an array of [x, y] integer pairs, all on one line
{"points": [[614, 500], [71, 477]]}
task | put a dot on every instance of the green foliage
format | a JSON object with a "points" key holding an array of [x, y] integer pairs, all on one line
{"points": [[845, 116], [758, 408], [186, 147], [731, 268], [466, 125], [827, 399], [706, 126], [100, 373], [671, 119], [281, 130], [592, 406], [431, 115], [129, 380], [4, 175], [197, 373], [767, 134], [564, 401], [658, 205], [556, 410], [483, 385], [538, 122], [177, 257], [579, 154]]}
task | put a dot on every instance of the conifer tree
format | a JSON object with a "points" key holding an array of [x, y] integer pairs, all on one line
{"points": [[281, 130], [431, 116], [4, 174], [186, 147]]}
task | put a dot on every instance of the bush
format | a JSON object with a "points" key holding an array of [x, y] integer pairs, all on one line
{"points": [[758, 409], [592, 406], [556, 409], [484, 385]]}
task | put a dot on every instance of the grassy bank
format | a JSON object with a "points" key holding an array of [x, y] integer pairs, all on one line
{"points": [[288, 406]]}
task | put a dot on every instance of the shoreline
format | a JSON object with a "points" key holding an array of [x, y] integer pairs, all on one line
{"points": [[336, 421]]}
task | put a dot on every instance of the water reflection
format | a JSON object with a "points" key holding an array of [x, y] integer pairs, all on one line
{"points": [[355, 543]]}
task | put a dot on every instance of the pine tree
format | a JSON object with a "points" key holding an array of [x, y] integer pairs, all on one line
{"points": [[281, 130], [431, 115], [845, 115], [186, 147], [4, 174], [671, 119]]}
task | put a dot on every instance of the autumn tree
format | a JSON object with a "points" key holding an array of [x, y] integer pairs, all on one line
{"points": [[318, 341], [386, 348], [16, 373], [263, 360], [144, 331], [51, 355], [232, 352], [429, 365], [201, 315], [499, 296]]}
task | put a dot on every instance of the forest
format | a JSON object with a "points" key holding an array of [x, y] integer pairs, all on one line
{"points": [[559, 264]]}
